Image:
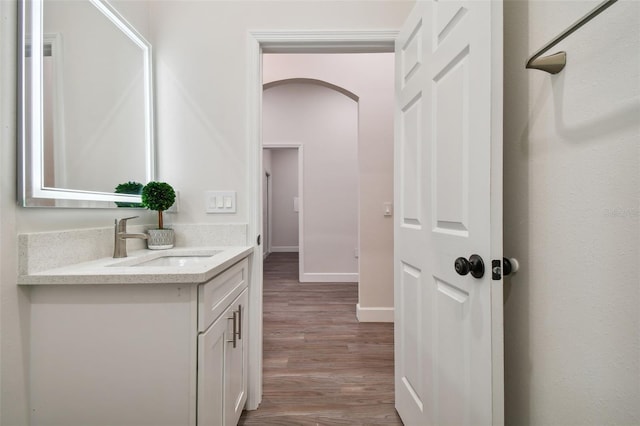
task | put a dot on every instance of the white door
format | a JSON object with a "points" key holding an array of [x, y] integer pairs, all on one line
{"points": [[448, 189]]}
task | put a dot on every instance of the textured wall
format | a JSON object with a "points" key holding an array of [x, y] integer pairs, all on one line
{"points": [[572, 217]]}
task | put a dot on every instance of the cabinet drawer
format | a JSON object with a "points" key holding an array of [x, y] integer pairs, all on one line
{"points": [[215, 295]]}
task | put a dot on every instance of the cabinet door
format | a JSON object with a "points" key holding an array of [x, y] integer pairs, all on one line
{"points": [[236, 364], [211, 352], [222, 366]]}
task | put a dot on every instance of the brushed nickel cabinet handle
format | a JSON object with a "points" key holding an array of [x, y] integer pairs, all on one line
{"points": [[240, 322], [234, 333]]}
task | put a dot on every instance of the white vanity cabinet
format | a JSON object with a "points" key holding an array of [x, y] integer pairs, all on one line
{"points": [[140, 354]]}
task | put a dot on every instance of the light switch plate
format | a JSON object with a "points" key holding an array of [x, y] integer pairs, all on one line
{"points": [[220, 201], [388, 209]]}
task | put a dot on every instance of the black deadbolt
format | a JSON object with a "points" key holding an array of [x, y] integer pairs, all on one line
{"points": [[475, 265]]}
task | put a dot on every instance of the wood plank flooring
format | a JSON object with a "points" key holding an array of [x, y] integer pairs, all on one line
{"points": [[321, 366]]}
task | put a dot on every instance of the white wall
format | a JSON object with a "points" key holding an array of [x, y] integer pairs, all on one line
{"points": [[571, 204], [201, 73], [370, 77], [14, 300], [284, 235], [325, 122]]}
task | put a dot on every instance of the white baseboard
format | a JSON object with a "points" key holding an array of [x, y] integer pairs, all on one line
{"points": [[313, 277], [379, 314], [284, 249]]}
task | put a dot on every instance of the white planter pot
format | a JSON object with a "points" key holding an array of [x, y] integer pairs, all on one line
{"points": [[160, 239]]}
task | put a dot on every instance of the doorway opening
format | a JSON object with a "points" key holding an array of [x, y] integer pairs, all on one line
{"points": [[299, 43], [322, 118]]}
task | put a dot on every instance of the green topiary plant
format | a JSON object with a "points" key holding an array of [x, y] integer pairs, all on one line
{"points": [[158, 196], [130, 187]]}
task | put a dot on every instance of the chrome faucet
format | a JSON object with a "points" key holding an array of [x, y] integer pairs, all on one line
{"points": [[121, 235]]}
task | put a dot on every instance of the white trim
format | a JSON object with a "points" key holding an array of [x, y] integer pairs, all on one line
{"points": [[326, 41], [496, 206], [377, 314], [330, 277], [284, 249], [301, 237], [254, 204], [281, 42]]}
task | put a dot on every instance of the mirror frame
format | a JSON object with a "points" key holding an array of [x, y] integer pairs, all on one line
{"points": [[31, 190]]}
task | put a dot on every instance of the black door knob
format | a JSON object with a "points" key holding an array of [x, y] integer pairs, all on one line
{"points": [[475, 265], [506, 266], [462, 266]]}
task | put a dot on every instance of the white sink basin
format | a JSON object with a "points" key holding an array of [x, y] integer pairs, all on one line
{"points": [[182, 258], [175, 261]]}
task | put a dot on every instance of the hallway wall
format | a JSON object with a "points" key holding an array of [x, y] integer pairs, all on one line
{"points": [[325, 123]]}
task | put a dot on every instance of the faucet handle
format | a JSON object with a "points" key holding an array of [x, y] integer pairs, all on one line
{"points": [[127, 218]]}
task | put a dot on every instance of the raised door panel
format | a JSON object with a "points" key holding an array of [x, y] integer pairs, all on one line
{"points": [[409, 368], [452, 350], [450, 150]]}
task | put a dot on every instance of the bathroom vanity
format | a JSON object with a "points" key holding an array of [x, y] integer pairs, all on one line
{"points": [[157, 338]]}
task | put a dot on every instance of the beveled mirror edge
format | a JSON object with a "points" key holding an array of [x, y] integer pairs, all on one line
{"points": [[30, 192]]}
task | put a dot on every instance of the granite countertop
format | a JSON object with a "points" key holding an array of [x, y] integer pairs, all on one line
{"points": [[201, 264]]}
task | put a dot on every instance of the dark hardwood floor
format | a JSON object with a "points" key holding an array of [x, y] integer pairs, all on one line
{"points": [[321, 366]]}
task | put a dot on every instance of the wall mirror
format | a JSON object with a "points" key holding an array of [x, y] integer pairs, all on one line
{"points": [[85, 105]]}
